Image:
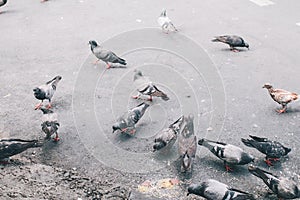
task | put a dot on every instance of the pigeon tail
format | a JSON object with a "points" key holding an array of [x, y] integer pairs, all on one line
{"points": [[121, 61], [248, 143]]}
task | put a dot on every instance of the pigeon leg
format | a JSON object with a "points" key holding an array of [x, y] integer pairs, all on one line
{"points": [[49, 105], [38, 106], [268, 162], [4, 162], [136, 97], [284, 107], [123, 130], [96, 62], [56, 139], [132, 132], [108, 65], [150, 98], [228, 169]]}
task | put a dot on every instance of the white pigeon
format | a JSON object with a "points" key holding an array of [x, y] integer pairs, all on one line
{"points": [[165, 23]]}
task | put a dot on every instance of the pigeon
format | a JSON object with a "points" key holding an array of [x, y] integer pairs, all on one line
{"points": [[165, 22], [2, 3], [284, 188], [126, 123], [214, 190], [105, 55], [272, 149], [50, 124], [187, 144], [10, 147], [230, 154], [46, 91], [147, 87], [281, 96], [232, 40], [167, 137]]}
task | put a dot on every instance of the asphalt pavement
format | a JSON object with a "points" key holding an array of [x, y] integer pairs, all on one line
{"points": [[221, 88]]}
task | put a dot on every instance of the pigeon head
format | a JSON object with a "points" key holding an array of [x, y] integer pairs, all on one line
{"points": [[196, 189], [267, 86], [287, 150], [93, 44], [201, 141], [186, 161], [116, 127], [163, 13], [158, 145], [246, 158]]}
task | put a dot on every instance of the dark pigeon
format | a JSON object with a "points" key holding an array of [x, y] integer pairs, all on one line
{"points": [[10, 147], [215, 190], [105, 55], [50, 124], [272, 149], [46, 91], [230, 154], [146, 87], [187, 144], [126, 123], [167, 137], [281, 96], [232, 40], [283, 187]]}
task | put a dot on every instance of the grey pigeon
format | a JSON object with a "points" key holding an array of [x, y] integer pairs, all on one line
{"points": [[126, 123], [232, 40], [46, 91], [167, 137], [165, 23], [281, 96], [187, 144], [230, 154], [284, 188], [272, 149], [10, 147], [146, 87], [105, 55], [2, 3], [214, 190], [50, 124]]}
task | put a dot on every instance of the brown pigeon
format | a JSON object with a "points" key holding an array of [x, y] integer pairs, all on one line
{"points": [[281, 96]]}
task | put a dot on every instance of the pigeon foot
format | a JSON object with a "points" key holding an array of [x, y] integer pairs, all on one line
{"points": [[281, 111], [38, 106], [49, 106], [228, 169]]}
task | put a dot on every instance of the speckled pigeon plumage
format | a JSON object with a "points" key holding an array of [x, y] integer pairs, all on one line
{"points": [[272, 149], [284, 188], [126, 123], [167, 137], [165, 23], [46, 91], [187, 144], [10, 147], [146, 87], [50, 124], [281, 96], [230, 154], [105, 55], [232, 40], [214, 190]]}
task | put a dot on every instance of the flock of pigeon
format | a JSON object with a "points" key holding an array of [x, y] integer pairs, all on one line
{"points": [[182, 128]]}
